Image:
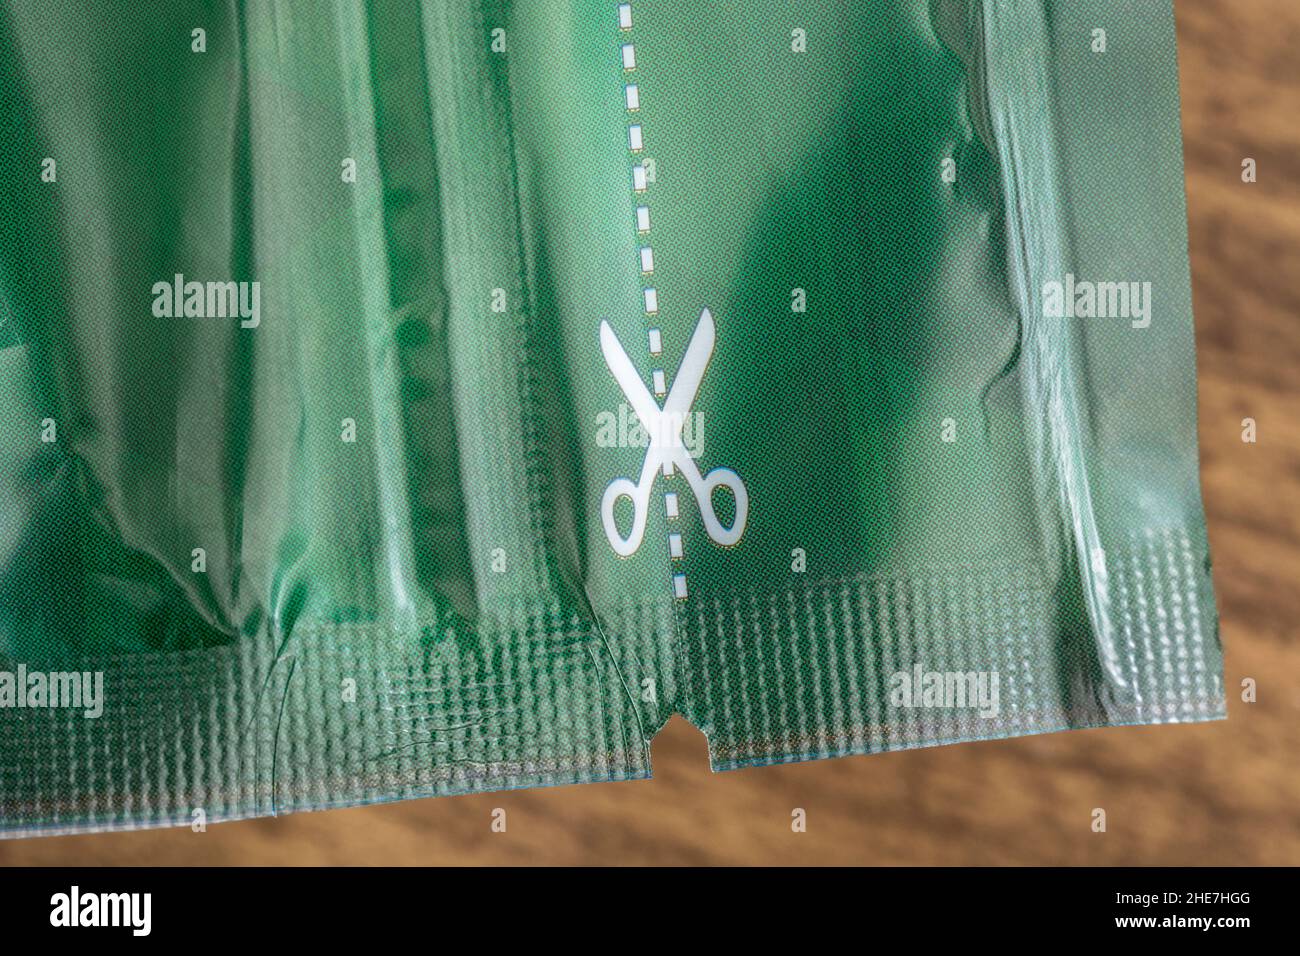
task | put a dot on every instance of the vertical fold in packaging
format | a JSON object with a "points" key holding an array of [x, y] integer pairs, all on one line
{"points": [[1082, 108]]}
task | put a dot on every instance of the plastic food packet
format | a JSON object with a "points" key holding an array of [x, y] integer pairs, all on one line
{"points": [[417, 398]]}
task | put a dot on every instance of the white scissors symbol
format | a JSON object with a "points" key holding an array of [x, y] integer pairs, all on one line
{"points": [[666, 449]]}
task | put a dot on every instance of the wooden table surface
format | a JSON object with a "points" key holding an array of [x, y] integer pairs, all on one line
{"points": [[1226, 793]]}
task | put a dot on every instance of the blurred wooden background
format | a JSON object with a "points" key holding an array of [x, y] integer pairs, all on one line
{"points": [[1225, 793]]}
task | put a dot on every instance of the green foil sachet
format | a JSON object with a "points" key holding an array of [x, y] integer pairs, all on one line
{"points": [[413, 398]]}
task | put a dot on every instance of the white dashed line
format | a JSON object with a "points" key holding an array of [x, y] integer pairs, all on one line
{"points": [[650, 295]]}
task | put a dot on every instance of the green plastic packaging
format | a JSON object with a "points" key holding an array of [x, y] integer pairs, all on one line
{"points": [[411, 398]]}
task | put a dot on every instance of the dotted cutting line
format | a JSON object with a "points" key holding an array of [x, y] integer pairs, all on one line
{"points": [[650, 295]]}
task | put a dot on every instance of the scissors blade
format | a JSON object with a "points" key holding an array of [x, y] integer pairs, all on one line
{"points": [[625, 373], [686, 384]]}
